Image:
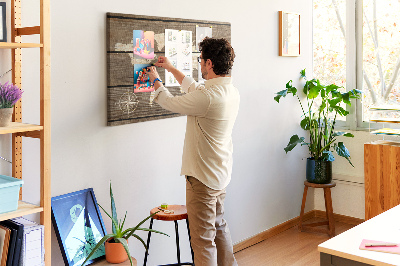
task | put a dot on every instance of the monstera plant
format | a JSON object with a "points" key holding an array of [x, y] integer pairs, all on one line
{"points": [[324, 103]]}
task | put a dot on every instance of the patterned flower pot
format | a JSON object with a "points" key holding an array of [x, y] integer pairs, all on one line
{"points": [[5, 116], [319, 172], [115, 252]]}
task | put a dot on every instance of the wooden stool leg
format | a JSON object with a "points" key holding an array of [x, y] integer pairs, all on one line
{"points": [[303, 204], [329, 211]]}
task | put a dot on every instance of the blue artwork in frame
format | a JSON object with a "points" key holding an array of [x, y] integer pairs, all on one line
{"points": [[78, 226]]}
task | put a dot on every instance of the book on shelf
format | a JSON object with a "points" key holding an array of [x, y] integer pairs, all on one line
{"points": [[11, 245], [4, 243], [16, 253], [32, 250]]}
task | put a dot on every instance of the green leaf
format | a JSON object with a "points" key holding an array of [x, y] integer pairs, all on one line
{"points": [[126, 247], [349, 135], [303, 73], [113, 211], [333, 102], [313, 92], [346, 98], [305, 123], [294, 140], [331, 87], [343, 151], [114, 222], [101, 242], [138, 225], [327, 156], [140, 239], [280, 94]]}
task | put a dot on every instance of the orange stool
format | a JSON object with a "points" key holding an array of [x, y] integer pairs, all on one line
{"points": [[328, 207], [179, 213]]}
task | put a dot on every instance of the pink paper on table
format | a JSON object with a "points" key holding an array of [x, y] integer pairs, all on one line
{"points": [[391, 249]]}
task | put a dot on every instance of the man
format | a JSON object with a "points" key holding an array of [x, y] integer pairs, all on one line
{"points": [[207, 155]]}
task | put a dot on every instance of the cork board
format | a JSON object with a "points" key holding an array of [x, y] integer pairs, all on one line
{"points": [[121, 63]]}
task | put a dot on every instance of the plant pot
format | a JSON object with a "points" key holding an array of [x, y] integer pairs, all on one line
{"points": [[115, 252], [5, 116], [319, 172]]}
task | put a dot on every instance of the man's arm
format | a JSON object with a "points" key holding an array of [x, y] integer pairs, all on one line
{"points": [[165, 63]]}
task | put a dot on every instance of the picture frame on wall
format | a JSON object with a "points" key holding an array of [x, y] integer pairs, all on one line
{"points": [[3, 24], [289, 34], [78, 226]]}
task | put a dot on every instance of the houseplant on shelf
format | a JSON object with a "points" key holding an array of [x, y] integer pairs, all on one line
{"points": [[116, 243], [324, 105], [9, 95]]}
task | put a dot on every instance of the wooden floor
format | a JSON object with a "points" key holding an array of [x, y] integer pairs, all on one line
{"points": [[290, 247]]}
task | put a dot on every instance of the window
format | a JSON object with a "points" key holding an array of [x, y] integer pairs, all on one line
{"points": [[363, 54]]}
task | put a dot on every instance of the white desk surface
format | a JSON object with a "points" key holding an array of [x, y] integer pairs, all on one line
{"points": [[384, 227]]}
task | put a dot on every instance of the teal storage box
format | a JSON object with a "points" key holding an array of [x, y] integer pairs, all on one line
{"points": [[9, 193]]}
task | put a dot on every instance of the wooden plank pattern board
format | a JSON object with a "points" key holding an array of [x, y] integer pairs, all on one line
{"points": [[382, 177], [121, 61]]}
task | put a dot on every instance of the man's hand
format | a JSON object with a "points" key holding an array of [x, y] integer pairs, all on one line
{"points": [[152, 72], [164, 63]]}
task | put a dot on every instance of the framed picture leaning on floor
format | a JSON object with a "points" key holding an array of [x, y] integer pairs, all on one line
{"points": [[78, 226]]}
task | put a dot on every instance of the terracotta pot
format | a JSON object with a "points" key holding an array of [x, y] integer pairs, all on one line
{"points": [[5, 116], [115, 252]]}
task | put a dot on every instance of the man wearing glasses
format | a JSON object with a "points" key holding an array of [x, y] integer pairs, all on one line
{"points": [[211, 111]]}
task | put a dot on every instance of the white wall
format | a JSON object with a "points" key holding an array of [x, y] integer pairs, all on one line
{"points": [[143, 160]]}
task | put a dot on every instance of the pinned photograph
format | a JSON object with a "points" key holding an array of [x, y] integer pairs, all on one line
{"points": [[143, 42], [141, 81]]}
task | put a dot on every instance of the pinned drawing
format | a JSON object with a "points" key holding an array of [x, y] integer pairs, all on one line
{"points": [[128, 102], [143, 44], [201, 33], [178, 49]]}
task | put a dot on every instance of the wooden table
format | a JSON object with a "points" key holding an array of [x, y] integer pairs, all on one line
{"points": [[344, 248], [105, 263]]}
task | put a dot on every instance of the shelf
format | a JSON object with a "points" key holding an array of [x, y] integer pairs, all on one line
{"points": [[385, 107], [16, 127], [9, 45], [24, 208], [387, 131], [386, 120]]}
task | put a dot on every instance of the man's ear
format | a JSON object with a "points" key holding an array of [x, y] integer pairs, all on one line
{"points": [[209, 63]]}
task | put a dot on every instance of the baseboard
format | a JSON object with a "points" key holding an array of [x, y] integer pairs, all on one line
{"points": [[271, 232], [340, 218], [289, 224]]}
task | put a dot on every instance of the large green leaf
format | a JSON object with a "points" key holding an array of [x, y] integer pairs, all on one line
{"points": [[294, 140], [327, 156], [346, 98], [113, 211], [280, 94], [313, 92], [114, 222], [305, 123], [331, 87], [343, 151]]}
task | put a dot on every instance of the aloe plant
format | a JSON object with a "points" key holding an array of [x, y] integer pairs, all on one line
{"points": [[320, 124], [119, 234]]}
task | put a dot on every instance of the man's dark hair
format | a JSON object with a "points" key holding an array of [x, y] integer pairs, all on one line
{"points": [[220, 52]]}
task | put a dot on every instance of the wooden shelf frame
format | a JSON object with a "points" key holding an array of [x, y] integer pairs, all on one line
{"points": [[42, 131]]}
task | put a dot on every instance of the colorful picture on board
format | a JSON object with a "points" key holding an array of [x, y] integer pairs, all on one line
{"points": [[143, 44], [141, 81]]}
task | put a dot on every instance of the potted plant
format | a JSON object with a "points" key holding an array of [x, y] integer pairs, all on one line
{"points": [[9, 95], [116, 243], [324, 105]]}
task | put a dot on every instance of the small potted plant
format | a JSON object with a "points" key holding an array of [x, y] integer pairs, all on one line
{"points": [[116, 243], [9, 95], [324, 105]]}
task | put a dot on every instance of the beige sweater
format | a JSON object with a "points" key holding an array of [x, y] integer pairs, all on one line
{"points": [[211, 111]]}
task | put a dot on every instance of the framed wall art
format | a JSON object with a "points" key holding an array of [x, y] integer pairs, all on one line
{"points": [[289, 34], [78, 226], [3, 25]]}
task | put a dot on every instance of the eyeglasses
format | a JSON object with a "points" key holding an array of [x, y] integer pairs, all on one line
{"points": [[199, 59]]}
